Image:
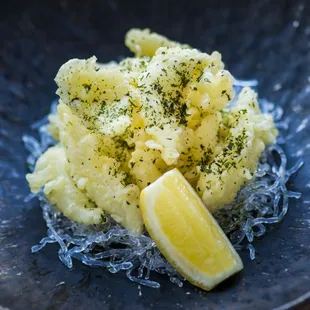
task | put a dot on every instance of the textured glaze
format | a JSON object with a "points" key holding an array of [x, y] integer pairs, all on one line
{"points": [[267, 40]]}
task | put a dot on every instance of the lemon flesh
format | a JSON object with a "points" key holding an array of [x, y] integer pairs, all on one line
{"points": [[186, 233]]}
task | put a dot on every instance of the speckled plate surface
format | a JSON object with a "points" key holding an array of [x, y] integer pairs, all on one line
{"points": [[266, 40]]}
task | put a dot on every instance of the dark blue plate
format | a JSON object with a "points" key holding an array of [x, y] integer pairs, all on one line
{"points": [[266, 40]]}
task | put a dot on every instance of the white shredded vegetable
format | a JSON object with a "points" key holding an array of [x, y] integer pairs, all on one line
{"points": [[263, 202]]}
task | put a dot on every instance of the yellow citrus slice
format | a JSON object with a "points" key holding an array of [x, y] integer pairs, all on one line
{"points": [[186, 233]]}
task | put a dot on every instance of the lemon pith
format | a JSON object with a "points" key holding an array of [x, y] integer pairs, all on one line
{"points": [[186, 233]]}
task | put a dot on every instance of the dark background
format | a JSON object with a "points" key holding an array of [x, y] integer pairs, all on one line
{"points": [[268, 40]]}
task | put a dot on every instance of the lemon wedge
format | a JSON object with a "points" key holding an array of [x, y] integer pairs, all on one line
{"points": [[186, 233]]}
